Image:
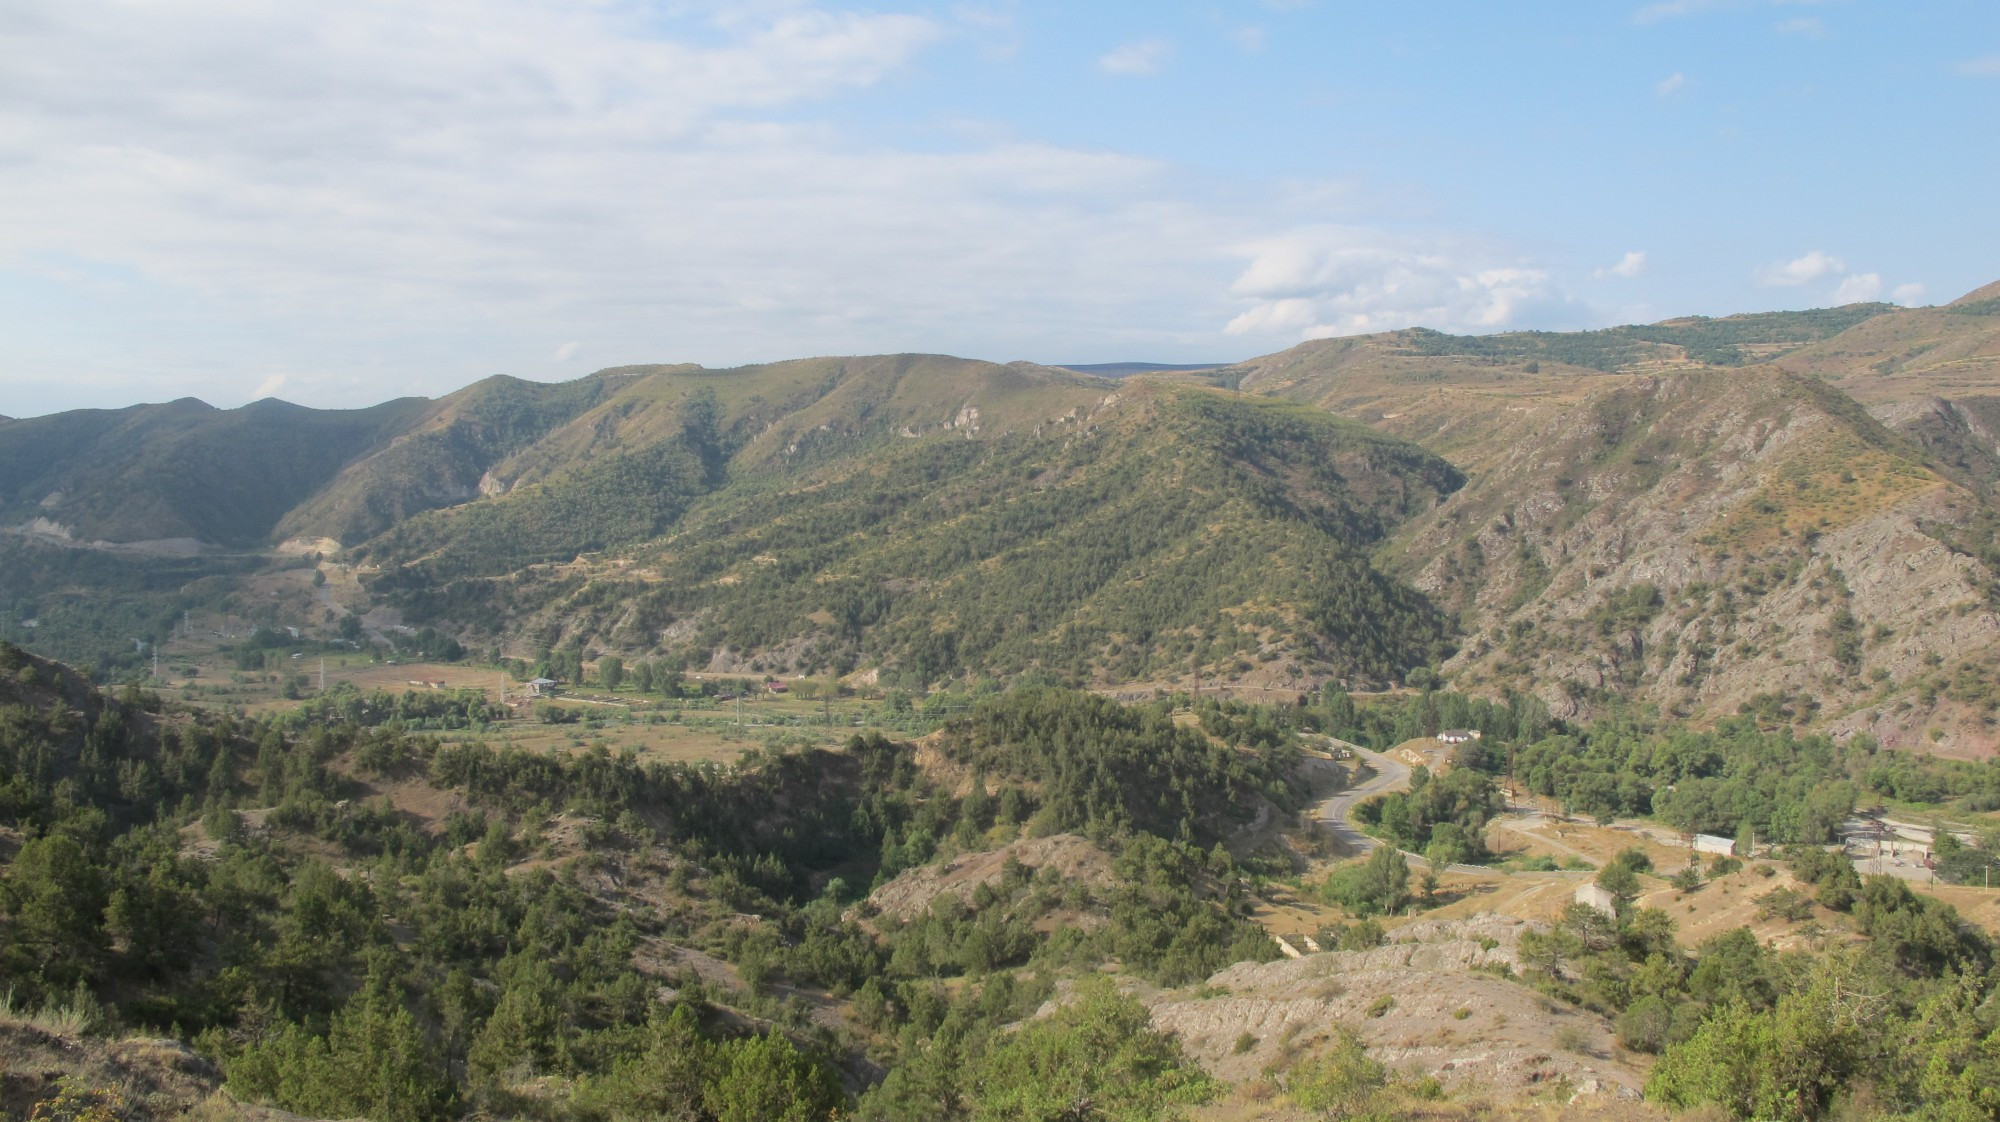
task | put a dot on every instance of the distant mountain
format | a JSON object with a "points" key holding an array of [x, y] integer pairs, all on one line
{"points": [[1636, 522], [1789, 513], [184, 469], [1122, 369], [927, 516], [444, 455]]}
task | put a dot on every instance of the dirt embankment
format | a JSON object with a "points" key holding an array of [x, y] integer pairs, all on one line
{"points": [[1073, 857], [1434, 1003], [146, 1078]]}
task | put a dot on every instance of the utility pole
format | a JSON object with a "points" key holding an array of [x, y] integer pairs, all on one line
{"points": [[322, 674], [156, 664]]}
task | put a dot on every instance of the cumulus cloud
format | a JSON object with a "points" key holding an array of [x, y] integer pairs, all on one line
{"points": [[342, 190], [1851, 287], [1147, 56], [1323, 281], [1630, 265], [1987, 67], [1671, 84], [373, 200], [1808, 26], [1805, 269], [1858, 288]]}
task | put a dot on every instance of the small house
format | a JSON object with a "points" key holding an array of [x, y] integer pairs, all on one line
{"points": [[1459, 736], [776, 687], [542, 687], [1711, 843]]}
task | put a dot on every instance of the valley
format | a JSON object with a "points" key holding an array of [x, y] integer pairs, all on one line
{"points": [[914, 738]]}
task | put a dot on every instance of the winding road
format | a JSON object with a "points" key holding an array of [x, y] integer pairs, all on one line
{"points": [[1389, 775]]}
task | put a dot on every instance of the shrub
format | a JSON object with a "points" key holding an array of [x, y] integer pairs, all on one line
{"points": [[1337, 1080], [1573, 1038], [1635, 859], [1647, 1026]]}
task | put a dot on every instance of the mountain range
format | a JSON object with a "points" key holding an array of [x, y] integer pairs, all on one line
{"points": [[1787, 513]]}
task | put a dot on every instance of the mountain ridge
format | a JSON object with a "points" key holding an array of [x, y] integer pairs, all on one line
{"points": [[815, 514]]}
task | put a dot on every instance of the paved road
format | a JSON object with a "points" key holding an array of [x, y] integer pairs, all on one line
{"points": [[1390, 774]]}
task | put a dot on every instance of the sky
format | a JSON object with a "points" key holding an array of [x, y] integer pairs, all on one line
{"points": [[339, 203]]}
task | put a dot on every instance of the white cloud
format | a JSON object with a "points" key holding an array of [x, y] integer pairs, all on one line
{"points": [[1630, 265], [1672, 9], [1809, 26], [1249, 39], [1858, 288], [368, 197], [1987, 67], [1801, 270], [1147, 56], [1323, 281], [1671, 84], [1907, 294]]}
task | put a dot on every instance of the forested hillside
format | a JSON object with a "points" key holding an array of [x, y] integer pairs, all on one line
{"points": [[1168, 529], [348, 921], [444, 458], [262, 894], [1787, 511], [1640, 525], [182, 470]]}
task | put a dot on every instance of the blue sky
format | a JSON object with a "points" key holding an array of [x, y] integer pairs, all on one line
{"points": [[336, 204]]}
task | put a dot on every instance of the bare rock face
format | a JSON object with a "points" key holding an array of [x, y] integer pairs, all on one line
{"points": [[1438, 1002]]}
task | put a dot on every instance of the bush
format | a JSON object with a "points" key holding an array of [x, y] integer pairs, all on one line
{"points": [[1785, 903], [549, 713], [1379, 885], [1647, 1026], [1337, 1080], [1574, 1039], [1363, 936], [1635, 859]]}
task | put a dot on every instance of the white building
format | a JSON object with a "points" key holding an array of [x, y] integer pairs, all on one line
{"points": [[1710, 843]]}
